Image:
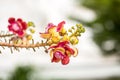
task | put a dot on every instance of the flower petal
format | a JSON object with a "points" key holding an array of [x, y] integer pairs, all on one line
{"points": [[11, 20], [60, 49], [68, 53], [65, 60], [60, 26], [50, 25], [20, 33], [61, 44], [54, 59], [45, 35], [75, 52], [24, 25], [51, 53], [10, 27], [68, 48], [19, 20]]}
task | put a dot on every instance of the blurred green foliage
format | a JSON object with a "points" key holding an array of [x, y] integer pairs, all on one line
{"points": [[106, 26], [21, 73]]}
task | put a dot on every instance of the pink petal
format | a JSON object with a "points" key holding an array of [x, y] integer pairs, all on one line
{"points": [[15, 27], [60, 26], [19, 20], [58, 54], [20, 33], [50, 25], [24, 25], [11, 20], [10, 27]]}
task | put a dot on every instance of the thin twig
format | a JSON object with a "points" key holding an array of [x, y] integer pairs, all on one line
{"points": [[23, 45], [11, 50], [6, 35]]}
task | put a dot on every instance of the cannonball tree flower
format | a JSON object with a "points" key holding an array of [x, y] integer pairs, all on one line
{"points": [[62, 52], [17, 26], [53, 32]]}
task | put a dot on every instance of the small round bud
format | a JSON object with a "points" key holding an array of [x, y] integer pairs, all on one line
{"points": [[78, 34], [32, 30], [31, 24], [29, 37], [77, 25], [49, 42], [74, 40], [69, 30], [73, 27], [83, 30]]}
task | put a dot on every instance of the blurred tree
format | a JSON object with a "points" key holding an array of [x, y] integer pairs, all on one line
{"points": [[22, 73], [106, 26]]}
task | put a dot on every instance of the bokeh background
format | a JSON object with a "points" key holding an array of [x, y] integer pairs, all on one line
{"points": [[99, 46]]}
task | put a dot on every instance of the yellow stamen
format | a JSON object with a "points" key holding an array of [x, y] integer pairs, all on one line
{"points": [[65, 38]]}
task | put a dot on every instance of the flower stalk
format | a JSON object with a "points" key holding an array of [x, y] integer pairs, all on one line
{"points": [[4, 44]]}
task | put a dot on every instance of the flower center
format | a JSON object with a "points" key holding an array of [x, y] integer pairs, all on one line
{"points": [[58, 55], [15, 27]]}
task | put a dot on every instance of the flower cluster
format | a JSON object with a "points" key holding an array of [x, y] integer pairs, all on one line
{"points": [[60, 41]]}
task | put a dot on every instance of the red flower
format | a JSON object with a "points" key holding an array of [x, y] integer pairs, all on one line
{"points": [[17, 26], [61, 52]]}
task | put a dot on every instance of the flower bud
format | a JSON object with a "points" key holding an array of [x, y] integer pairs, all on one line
{"points": [[32, 30], [29, 37], [74, 40]]}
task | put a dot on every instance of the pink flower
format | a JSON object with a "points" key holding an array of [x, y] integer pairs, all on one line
{"points": [[51, 29], [17, 26], [62, 52]]}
